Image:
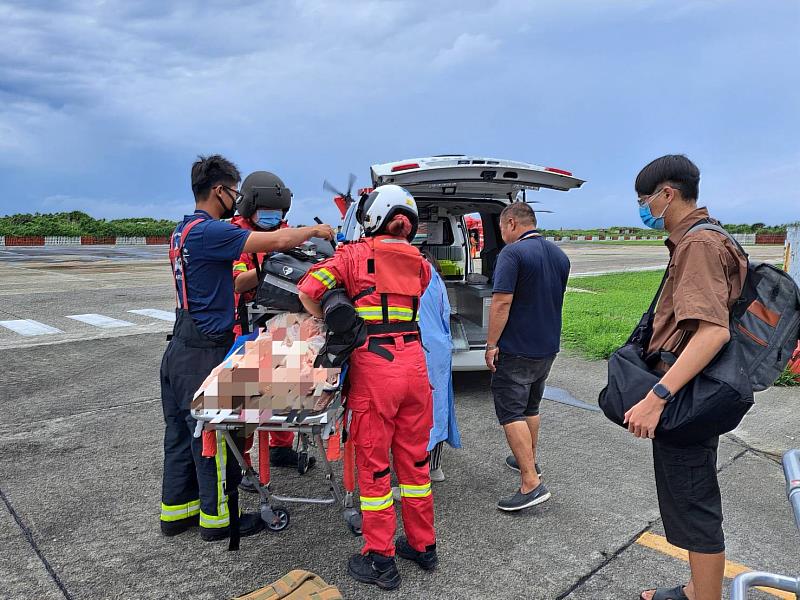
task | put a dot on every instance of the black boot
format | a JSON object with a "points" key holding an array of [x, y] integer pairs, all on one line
{"points": [[427, 560], [249, 524], [286, 457], [374, 568], [171, 528]]}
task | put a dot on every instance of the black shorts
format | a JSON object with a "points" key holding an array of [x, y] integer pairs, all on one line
{"points": [[688, 495], [518, 386]]}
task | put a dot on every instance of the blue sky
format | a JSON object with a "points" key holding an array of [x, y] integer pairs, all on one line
{"points": [[104, 105]]}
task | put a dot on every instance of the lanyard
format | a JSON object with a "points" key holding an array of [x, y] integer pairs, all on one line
{"points": [[529, 234]]}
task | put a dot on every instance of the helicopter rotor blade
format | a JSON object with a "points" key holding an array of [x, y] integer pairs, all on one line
{"points": [[350, 181], [329, 187]]}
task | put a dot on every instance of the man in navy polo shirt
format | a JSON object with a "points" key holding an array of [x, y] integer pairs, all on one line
{"points": [[195, 489], [530, 279]]}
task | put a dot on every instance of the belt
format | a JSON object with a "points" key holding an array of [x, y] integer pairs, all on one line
{"points": [[386, 328], [376, 345]]}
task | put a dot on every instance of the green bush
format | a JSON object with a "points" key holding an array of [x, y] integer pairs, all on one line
{"points": [[76, 223]]}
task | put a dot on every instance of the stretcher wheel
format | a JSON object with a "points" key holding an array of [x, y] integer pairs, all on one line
{"points": [[302, 463], [281, 521]]}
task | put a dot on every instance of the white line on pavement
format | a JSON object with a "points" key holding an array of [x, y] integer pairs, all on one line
{"points": [[164, 315], [29, 327], [100, 320]]}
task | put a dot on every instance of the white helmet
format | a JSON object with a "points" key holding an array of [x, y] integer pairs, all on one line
{"points": [[379, 207]]}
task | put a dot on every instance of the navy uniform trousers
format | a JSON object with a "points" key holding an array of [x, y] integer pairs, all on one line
{"points": [[193, 485]]}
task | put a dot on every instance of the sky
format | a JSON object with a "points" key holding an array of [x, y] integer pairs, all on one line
{"points": [[105, 105]]}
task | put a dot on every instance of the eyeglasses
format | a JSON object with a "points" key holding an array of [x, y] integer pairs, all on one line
{"points": [[645, 200], [236, 193]]}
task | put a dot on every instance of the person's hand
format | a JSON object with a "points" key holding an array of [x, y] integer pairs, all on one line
{"points": [[491, 356], [643, 417], [323, 231]]}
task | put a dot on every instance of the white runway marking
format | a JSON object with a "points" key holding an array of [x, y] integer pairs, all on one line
{"points": [[101, 321], [164, 315], [29, 327]]}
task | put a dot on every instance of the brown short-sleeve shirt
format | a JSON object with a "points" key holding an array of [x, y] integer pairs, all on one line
{"points": [[706, 276]]}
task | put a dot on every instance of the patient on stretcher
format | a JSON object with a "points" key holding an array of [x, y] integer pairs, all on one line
{"points": [[273, 374]]}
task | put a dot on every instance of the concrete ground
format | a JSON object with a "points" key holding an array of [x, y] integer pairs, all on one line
{"points": [[80, 467]]}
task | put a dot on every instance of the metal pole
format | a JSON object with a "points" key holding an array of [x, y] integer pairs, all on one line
{"points": [[792, 254], [746, 581]]}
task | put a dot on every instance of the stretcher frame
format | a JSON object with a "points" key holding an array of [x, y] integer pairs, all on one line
{"points": [[312, 430]]}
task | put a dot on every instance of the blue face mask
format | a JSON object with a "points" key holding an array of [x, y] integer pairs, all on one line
{"points": [[647, 217], [268, 219]]}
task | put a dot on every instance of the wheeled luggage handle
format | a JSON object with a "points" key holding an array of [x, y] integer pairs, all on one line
{"points": [[791, 470]]}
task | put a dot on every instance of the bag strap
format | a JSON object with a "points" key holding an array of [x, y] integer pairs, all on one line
{"points": [[706, 225], [291, 581]]}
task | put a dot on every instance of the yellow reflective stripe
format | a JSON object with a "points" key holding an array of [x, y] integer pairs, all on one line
{"points": [[325, 277], [371, 313], [221, 460], [239, 267], [415, 491], [176, 512], [214, 522], [376, 502]]}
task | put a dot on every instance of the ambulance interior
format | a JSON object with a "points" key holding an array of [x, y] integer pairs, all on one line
{"points": [[443, 232]]}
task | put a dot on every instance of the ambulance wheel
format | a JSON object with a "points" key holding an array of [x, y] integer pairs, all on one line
{"points": [[302, 462], [281, 521]]}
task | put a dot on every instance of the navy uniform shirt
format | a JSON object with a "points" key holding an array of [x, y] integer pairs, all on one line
{"points": [[208, 253], [536, 272]]}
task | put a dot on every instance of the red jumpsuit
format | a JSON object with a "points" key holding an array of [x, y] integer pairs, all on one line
{"points": [[389, 398], [246, 262]]}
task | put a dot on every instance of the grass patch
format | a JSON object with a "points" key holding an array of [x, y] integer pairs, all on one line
{"points": [[597, 324]]}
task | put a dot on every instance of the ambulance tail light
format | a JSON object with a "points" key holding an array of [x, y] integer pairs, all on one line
{"points": [[405, 167]]}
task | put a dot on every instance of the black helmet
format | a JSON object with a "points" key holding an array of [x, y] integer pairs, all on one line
{"points": [[265, 190]]}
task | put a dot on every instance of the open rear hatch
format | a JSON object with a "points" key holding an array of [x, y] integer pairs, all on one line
{"points": [[461, 177]]}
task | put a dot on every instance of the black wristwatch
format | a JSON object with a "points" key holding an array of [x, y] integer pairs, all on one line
{"points": [[662, 392]]}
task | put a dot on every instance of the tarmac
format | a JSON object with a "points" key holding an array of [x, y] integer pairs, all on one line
{"points": [[81, 455]]}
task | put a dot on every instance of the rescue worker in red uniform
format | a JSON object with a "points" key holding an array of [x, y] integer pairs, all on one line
{"points": [[263, 206], [389, 396]]}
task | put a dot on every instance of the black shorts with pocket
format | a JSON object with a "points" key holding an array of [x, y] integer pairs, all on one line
{"points": [[688, 495], [518, 385]]}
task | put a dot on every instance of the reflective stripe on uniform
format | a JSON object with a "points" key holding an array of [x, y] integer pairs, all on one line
{"points": [[325, 277], [415, 491], [375, 313], [222, 518], [377, 502], [221, 460], [176, 512], [214, 522]]}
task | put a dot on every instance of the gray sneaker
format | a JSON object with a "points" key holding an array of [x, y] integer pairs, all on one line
{"points": [[519, 500], [511, 463]]}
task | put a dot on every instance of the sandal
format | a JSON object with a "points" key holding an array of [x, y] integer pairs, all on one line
{"points": [[675, 593]]}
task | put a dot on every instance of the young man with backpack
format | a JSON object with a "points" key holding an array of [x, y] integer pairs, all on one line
{"points": [[691, 325]]}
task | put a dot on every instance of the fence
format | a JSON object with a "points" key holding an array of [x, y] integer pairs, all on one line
{"points": [[86, 240]]}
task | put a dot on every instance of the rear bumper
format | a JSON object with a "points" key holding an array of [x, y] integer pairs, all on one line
{"points": [[472, 360]]}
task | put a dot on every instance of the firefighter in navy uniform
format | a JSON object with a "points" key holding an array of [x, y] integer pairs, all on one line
{"points": [[385, 277], [198, 490]]}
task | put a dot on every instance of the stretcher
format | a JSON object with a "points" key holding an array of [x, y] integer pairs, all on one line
{"points": [[321, 430]]}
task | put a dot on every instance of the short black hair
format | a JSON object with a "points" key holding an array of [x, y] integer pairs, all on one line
{"points": [[675, 169], [208, 171], [520, 211]]}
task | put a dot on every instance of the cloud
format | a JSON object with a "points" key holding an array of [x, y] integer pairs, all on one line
{"points": [[104, 104], [467, 47]]}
